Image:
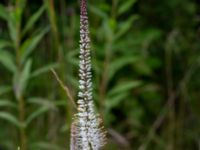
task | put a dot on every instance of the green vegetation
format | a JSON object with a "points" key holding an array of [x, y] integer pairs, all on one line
{"points": [[145, 57]]}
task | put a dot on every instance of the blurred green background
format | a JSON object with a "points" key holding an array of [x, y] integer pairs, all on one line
{"points": [[145, 57]]}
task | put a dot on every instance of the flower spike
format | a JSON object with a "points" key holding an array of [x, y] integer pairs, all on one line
{"points": [[89, 134]]}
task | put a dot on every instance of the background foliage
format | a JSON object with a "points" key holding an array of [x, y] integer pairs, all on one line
{"points": [[145, 67]]}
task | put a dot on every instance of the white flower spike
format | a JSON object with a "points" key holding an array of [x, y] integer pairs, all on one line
{"points": [[87, 132]]}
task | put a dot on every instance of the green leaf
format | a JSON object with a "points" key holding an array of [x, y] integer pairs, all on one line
{"points": [[10, 118], [30, 44], [126, 6], [3, 12], [33, 19], [35, 114], [113, 101], [7, 60], [26, 73], [44, 69], [4, 44], [5, 89], [119, 63], [143, 68], [146, 36], [47, 103], [71, 57], [42, 102], [124, 87], [119, 93], [107, 27], [19, 10], [7, 103], [98, 11], [125, 26], [21, 79], [11, 21]]}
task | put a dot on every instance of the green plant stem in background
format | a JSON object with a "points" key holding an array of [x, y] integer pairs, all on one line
{"points": [[58, 48], [170, 90], [23, 137], [21, 109], [53, 22]]}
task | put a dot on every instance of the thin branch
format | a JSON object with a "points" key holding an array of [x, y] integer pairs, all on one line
{"points": [[65, 88]]}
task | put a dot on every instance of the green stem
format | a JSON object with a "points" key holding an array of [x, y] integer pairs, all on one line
{"points": [[58, 48], [169, 88], [23, 137], [21, 106]]}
